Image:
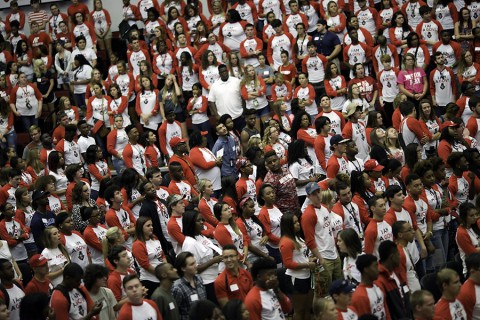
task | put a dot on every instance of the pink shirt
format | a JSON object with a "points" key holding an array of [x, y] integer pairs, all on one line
{"points": [[412, 80]]}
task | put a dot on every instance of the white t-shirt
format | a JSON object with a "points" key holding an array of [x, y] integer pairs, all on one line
{"points": [[81, 73], [301, 170], [203, 250], [56, 261], [226, 95]]}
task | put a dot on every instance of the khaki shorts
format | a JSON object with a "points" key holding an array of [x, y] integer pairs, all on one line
{"points": [[107, 36]]}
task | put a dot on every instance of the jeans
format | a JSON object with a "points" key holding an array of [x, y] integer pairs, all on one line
{"points": [[205, 126], [275, 253], [102, 143], [28, 121], [93, 194], [239, 123], [119, 165], [80, 100], [319, 91], [11, 140], [440, 241]]}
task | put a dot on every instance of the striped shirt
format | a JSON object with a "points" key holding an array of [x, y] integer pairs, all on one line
{"points": [[40, 17]]}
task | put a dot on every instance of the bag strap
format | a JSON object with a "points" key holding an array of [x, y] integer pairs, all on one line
{"points": [[6, 296]]}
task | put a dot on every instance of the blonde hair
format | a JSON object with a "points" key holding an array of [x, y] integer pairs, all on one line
{"points": [[255, 141], [445, 276], [201, 186], [398, 99], [33, 160], [326, 197], [61, 103], [109, 240], [47, 241], [36, 67], [247, 79], [320, 306], [266, 135]]}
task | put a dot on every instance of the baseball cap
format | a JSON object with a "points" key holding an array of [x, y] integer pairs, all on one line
{"points": [[174, 198], [322, 21], [241, 163], [352, 108], [169, 109], [311, 188], [451, 124], [175, 141], [341, 286], [373, 165], [37, 260], [37, 194], [336, 139]]}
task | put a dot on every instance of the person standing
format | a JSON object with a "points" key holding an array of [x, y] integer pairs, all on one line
{"points": [[449, 307], [234, 282], [225, 98], [162, 296], [341, 292], [423, 305], [189, 288], [318, 237], [70, 299], [283, 184], [404, 234], [362, 297], [265, 300], [136, 304], [443, 86], [468, 292], [391, 284], [377, 230]]}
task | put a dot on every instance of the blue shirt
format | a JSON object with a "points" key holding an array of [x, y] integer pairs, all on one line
{"points": [[325, 42], [229, 156], [39, 222]]}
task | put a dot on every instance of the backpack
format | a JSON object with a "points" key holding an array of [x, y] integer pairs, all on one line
{"points": [[5, 292], [64, 291]]}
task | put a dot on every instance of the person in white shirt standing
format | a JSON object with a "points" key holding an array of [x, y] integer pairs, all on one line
{"points": [[26, 102], [279, 42], [443, 86], [224, 97]]}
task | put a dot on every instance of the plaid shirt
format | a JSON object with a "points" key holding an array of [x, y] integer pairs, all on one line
{"points": [[183, 293]]}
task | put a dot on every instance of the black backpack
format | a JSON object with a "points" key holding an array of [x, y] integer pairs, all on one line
{"points": [[65, 291], [5, 292]]}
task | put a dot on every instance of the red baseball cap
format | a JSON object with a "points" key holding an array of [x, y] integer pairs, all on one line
{"points": [[175, 141]]}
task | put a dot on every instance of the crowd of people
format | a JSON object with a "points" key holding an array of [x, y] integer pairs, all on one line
{"points": [[271, 159]]}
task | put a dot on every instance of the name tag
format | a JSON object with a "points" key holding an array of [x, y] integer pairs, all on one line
{"points": [[171, 305], [316, 38], [265, 73], [234, 287], [194, 297], [285, 179]]}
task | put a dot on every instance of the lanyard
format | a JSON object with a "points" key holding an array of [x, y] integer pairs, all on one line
{"points": [[352, 212]]}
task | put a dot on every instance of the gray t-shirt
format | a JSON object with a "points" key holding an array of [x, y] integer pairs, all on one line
{"points": [[109, 301], [166, 304]]}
